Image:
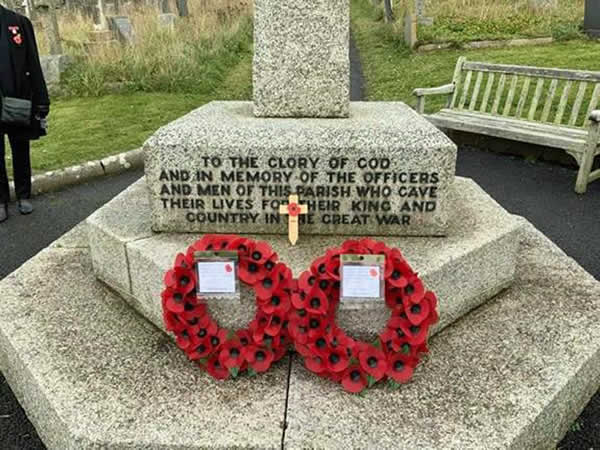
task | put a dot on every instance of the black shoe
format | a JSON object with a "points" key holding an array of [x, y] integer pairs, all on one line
{"points": [[24, 206], [3, 212]]}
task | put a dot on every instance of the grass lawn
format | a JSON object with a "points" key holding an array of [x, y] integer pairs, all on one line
{"points": [[392, 71]]}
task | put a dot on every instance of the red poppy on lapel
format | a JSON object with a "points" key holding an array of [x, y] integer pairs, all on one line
{"points": [[16, 34]]}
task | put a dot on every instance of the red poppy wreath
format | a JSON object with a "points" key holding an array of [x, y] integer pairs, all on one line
{"points": [[221, 352], [330, 353]]}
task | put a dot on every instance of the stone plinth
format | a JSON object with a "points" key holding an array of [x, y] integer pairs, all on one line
{"points": [[471, 265], [383, 171], [301, 58], [90, 373]]}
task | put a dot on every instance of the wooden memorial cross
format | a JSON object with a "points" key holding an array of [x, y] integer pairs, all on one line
{"points": [[293, 210]]}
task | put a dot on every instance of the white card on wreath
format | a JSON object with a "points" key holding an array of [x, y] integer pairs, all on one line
{"points": [[361, 281], [216, 277]]}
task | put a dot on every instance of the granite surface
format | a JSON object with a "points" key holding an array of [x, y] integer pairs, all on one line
{"points": [[513, 374], [383, 171], [91, 373], [473, 263], [301, 58]]}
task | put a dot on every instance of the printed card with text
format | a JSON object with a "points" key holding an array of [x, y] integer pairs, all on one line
{"points": [[362, 277], [217, 274]]}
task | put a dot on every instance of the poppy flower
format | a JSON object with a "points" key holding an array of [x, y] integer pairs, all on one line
{"points": [[400, 368], [299, 300], [216, 369], [394, 299], [354, 379], [332, 263], [260, 253], [417, 312], [182, 261], [316, 302], [231, 355], [307, 280], [400, 274], [193, 312], [303, 350], [205, 327], [184, 340], [373, 361], [259, 358], [354, 248], [174, 300], [278, 303], [414, 289], [298, 332], [317, 325], [250, 272], [315, 364], [271, 281], [239, 244], [200, 349], [172, 322], [337, 360], [244, 337], [218, 339], [319, 267], [274, 325]]}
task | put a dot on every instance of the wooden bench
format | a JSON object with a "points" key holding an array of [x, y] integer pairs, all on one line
{"points": [[551, 107]]}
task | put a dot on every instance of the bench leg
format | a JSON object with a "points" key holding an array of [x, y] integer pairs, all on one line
{"points": [[587, 160]]}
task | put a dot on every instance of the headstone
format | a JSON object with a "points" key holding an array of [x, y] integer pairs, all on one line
{"points": [[422, 18], [410, 30], [123, 29], [182, 8], [53, 67], [48, 16], [167, 21], [165, 6], [301, 58]]}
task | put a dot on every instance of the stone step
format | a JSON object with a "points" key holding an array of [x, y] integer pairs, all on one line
{"points": [[91, 373], [473, 263]]}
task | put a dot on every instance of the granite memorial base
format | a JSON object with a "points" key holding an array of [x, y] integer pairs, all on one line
{"points": [[385, 170], [473, 263], [91, 373]]}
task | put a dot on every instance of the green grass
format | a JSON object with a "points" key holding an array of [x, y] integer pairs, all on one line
{"points": [[392, 71]]}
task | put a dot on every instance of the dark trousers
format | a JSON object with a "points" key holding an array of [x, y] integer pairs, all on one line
{"points": [[21, 169]]}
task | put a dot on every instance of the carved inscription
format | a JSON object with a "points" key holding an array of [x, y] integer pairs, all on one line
{"points": [[338, 190]]}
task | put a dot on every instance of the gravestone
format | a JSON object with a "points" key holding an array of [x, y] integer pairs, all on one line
{"points": [[123, 29], [50, 24], [383, 170], [301, 58], [422, 17], [167, 21]]}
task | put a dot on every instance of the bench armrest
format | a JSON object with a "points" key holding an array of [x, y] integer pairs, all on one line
{"points": [[595, 116], [447, 89]]}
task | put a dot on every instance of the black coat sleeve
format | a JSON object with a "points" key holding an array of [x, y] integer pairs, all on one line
{"points": [[38, 84]]}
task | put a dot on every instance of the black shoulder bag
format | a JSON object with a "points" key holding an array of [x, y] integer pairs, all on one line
{"points": [[15, 112]]}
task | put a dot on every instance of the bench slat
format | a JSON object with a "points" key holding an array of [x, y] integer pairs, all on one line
{"points": [[536, 99], [465, 93], [499, 92], [476, 91], [456, 79], [563, 103], [486, 94], [511, 95], [536, 72], [549, 100], [593, 101], [577, 105], [497, 127], [523, 98], [569, 132]]}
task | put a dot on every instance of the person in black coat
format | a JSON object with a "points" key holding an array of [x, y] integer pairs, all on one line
{"points": [[21, 77]]}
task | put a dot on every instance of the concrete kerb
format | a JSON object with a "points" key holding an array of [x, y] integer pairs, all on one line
{"points": [[57, 179]]}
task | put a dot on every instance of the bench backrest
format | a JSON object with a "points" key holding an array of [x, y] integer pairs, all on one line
{"points": [[556, 96]]}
